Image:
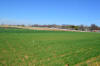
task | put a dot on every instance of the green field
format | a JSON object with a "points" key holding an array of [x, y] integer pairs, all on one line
{"points": [[20, 47]]}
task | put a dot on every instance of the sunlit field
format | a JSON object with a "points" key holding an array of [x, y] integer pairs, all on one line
{"points": [[21, 47]]}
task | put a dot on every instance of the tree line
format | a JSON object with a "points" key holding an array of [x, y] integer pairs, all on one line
{"points": [[92, 27], [70, 27]]}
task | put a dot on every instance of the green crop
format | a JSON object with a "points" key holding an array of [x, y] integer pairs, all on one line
{"points": [[23, 47]]}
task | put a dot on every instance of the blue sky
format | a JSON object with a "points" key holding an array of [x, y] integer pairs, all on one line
{"points": [[74, 12]]}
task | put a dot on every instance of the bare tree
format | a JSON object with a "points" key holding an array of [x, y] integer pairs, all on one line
{"points": [[81, 27], [93, 27]]}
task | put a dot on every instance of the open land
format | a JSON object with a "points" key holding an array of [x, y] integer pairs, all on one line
{"points": [[24, 47]]}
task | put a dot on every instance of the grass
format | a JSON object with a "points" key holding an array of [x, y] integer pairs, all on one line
{"points": [[20, 47]]}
